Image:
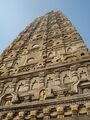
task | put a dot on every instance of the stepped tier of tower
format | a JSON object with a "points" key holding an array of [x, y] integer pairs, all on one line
{"points": [[50, 40]]}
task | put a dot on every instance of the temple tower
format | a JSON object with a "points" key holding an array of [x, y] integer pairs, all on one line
{"points": [[45, 72]]}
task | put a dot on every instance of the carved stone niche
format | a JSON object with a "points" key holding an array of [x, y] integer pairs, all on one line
{"points": [[69, 50], [21, 61], [25, 51], [42, 95], [9, 63], [11, 55], [8, 99], [7, 88], [74, 74], [34, 83], [22, 86], [9, 116], [14, 70], [3, 70], [82, 87], [18, 44], [66, 77], [82, 110], [49, 79], [83, 74]]}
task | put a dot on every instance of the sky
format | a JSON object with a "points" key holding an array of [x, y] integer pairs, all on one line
{"points": [[15, 15]]}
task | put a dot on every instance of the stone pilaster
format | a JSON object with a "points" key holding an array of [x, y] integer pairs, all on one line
{"points": [[33, 115], [41, 76], [21, 115], [57, 78], [88, 108], [74, 109], [60, 112], [9, 116], [46, 113]]}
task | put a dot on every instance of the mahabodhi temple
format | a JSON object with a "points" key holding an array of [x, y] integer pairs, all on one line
{"points": [[45, 72]]}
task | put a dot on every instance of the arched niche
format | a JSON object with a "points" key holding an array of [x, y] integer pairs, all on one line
{"points": [[30, 60], [35, 83], [25, 51], [7, 88], [22, 86], [8, 99], [83, 73], [70, 58], [66, 79], [69, 29], [42, 95], [11, 54], [35, 46], [49, 80], [69, 50], [51, 54], [82, 86]]}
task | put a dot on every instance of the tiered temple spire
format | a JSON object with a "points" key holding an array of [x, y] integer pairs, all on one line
{"points": [[45, 72]]}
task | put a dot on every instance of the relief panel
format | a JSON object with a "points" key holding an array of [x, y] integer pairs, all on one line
{"points": [[49, 79], [82, 73], [22, 86], [66, 77], [7, 88], [34, 83]]}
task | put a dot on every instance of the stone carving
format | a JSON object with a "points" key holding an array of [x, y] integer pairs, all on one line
{"points": [[3, 71], [21, 115], [49, 80], [42, 95], [74, 76], [9, 116], [66, 79], [7, 88], [82, 72], [35, 83], [8, 103], [33, 115], [44, 73], [86, 90], [60, 112], [46, 113], [88, 108], [22, 86]]}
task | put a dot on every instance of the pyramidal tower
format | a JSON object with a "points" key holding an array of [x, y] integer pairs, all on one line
{"points": [[45, 73]]}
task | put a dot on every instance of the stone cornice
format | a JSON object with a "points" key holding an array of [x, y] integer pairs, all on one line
{"points": [[78, 99]]}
